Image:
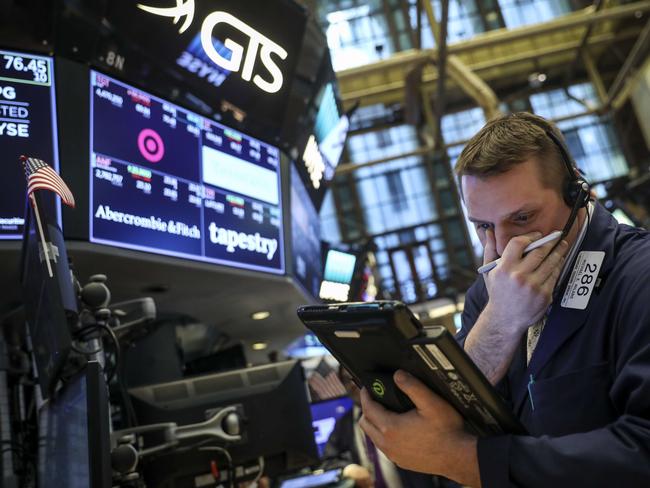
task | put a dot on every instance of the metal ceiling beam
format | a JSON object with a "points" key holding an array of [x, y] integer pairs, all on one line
{"points": [[394, 90], [459, 72], [579, 18], [386, 76], [442, 71], [594, 76], [639, 49], [598, 4]]}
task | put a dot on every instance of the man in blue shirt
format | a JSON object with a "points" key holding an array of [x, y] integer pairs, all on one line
{"points": [[563, 331]]}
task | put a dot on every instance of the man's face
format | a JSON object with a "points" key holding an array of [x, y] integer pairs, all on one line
{"points": [[513, 203]]}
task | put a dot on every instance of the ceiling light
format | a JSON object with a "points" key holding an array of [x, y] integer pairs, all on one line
{"points": [[261, 315], [438, 312], [536, 80], [259, 346]]}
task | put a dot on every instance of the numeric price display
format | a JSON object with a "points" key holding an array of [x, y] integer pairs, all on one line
{"points": [[25, 67], [27, 126]]}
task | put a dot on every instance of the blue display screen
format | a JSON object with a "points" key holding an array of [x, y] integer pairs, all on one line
{"points": [[324, 417], [305, 237], [331, 130], [339, 266], [328, 114], [64, 450], [169, 181], [326, 478], [27, 127]]}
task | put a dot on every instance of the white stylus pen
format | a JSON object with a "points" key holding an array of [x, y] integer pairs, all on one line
{"points": [[533, 245]]}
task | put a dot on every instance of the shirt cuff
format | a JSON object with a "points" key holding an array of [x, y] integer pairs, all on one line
{"points": [[493, 461]]}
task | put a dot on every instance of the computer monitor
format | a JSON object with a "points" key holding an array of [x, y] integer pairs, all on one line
{"points": [[316, 479], [277, 422], [331, 130], [169, 181], [27, 127], [622, 217], [48, 294], [74, 436], [306, 252], [620, 212], [339, 266], [337, 277], [324, 416]]}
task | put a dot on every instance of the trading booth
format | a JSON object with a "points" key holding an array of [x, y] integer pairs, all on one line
{"points": [[197, 138]]}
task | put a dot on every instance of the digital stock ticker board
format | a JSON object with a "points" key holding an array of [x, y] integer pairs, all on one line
{"points": [[166, 180]]}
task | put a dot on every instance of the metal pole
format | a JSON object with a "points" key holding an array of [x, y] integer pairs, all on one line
{"points": [[442, 72], [640, 46]]}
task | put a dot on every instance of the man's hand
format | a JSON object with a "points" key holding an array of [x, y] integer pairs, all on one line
{"points": [[429, 439], [521, 287], [359, 474]]}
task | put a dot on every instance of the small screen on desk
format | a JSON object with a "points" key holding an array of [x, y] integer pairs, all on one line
{"points": [[324, 478], [324, 416]]}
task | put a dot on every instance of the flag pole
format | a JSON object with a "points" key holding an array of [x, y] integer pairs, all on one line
{"points": [[40, 231]]}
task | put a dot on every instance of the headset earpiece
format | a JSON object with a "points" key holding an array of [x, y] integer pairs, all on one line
{"points": [[576, 192]]}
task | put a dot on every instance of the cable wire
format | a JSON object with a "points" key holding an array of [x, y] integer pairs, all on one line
{"points": [[118, 350], [231, 468], [85, 331]]}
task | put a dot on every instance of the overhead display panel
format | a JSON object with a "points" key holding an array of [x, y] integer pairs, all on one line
{"points": [[232, 56], [324, 145], [337, 276], [305, 237], [27, 127], [169, 181]]}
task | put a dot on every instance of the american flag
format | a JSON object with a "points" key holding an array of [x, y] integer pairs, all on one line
{"points": [[324, 383], [40, 176]]}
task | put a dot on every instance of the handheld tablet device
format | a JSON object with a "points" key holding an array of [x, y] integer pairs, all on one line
{"points": [[373, 340]]}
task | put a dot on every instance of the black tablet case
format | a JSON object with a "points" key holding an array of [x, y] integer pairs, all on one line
{"points": [[373, 340]]}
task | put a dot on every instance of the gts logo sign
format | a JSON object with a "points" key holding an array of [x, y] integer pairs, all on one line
{"points": [[256, 42]]}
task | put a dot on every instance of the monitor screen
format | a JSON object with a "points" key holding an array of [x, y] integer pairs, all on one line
{"points": [[324, 144], [276, 421], [169, 181], [339, 266], [305, 347], [331, 130], [622, 218], [324, 416], [337, 277], [332, 146], [305, 237], [27, 127], [74, 445], [313, 480], [223, 55]]}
